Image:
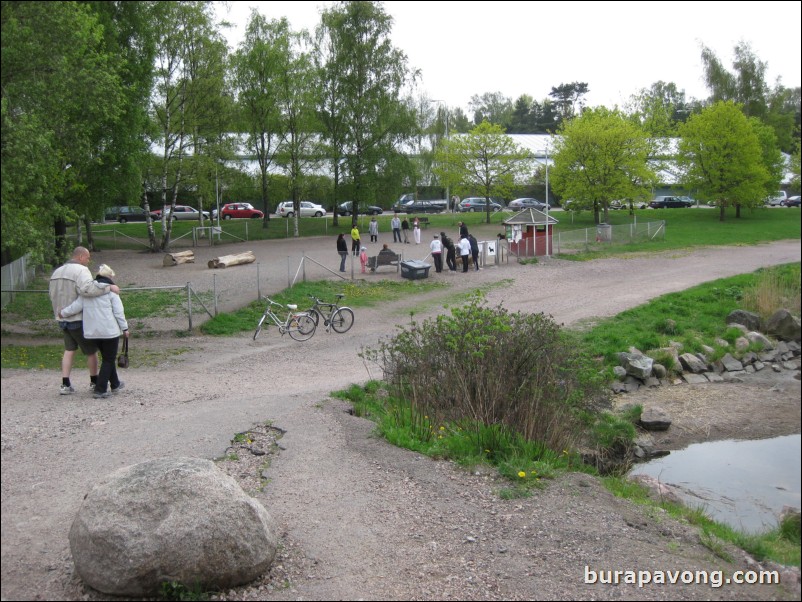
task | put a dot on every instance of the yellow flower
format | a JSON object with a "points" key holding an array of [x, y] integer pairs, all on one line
{"points": [[522, 474], [534, 473], [442, 428]]}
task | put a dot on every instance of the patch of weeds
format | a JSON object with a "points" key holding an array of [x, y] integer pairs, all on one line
{"points": [[231, 457], [632, 413], [715, 545], [514, 493], [173, 590]]}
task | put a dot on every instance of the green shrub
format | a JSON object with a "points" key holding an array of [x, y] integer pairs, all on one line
{"points": [[491, 368]]}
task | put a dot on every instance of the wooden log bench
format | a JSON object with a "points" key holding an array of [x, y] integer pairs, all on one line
{"points": [[179, 257], [226, 261], [382, 259]]}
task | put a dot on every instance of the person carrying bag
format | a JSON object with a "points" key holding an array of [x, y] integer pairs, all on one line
{"points": [[122, 359]]}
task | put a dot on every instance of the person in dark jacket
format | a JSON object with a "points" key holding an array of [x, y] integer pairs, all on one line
{"points": [[405, 230], [342, 249], [451, 252], [474, 250]]}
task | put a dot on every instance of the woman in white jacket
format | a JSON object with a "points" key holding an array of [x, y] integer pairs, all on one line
{"points": [[104, 322]]}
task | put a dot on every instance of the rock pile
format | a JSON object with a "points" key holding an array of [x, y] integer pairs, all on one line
{"points": [[780, 350]]}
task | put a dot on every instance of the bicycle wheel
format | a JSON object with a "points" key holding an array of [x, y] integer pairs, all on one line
{"points": [[342, 319], [259, 327], [302, 327], [314, 314]]}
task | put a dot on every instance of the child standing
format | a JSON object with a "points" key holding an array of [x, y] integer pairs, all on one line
{"points": [[363, 258]]}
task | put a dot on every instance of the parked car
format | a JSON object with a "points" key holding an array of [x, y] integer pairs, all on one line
{"points": [[239, 210], [792, 201], [528, 203], [475, 203], [777, 199], [346, 209], [624, 204], [307, 209], [669, 202], [132, 214], [422, 207], [400, 206], [125, 213], [182, 212]]}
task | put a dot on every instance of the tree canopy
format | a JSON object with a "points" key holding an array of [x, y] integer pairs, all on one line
{"points": [[485, 160], [722, 158], [601, 156]]}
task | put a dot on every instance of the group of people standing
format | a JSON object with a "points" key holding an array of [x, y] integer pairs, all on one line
{"points": [[91, 317], [467, 246]]}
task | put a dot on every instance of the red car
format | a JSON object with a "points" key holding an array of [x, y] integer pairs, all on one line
{"points": [[232, 210]]}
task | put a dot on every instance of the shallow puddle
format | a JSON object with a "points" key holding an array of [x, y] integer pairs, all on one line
{"points": [[744, 484]]}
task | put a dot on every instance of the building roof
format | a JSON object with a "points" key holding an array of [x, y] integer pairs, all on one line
{"points": [[531, 217]]}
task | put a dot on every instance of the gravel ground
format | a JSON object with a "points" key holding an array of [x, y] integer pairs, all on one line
{"points": [[360, 519]]}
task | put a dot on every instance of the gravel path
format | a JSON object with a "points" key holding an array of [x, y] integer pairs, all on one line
{"points": [[360, 518]]}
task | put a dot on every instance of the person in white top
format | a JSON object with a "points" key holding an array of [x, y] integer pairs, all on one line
{"points": [[416, 230], [437, 253], [464, 252], [104, 323]]}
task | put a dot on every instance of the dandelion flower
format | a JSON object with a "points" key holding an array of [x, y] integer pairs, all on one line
{"points": [[521, 474]]}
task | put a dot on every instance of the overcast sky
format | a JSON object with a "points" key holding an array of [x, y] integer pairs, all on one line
{"points": [[617, 48]]}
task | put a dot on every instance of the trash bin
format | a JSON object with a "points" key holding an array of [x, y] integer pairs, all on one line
{"points": [[604, 233], [414, 269]]}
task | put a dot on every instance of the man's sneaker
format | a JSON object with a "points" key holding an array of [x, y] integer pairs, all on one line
{"points": [[66, 390], [92, 387], [104, 395], [116, 389]]}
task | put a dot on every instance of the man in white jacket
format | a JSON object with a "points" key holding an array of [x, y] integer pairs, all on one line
{"points": [[103, 324], [68, 282]]}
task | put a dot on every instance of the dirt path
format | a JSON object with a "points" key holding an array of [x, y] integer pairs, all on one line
{"points": [[360, 518]]}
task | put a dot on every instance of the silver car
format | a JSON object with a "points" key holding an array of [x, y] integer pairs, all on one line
{"points": [[185, 212], [527, 203], [307, 209]]}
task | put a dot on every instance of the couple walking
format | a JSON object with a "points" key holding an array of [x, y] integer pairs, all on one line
{"points": [[91, 316]]}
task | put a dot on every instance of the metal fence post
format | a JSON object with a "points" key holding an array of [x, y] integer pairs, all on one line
{"points": [[189, 303], [214, 291]]}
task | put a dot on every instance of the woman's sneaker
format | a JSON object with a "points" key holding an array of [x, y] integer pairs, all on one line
{"points": [[116, 389], [104, 395], [66, 390]]}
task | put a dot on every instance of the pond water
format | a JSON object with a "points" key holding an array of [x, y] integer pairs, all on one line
{"points": [[744, 484]]}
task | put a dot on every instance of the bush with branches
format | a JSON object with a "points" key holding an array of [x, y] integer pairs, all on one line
{"points": [[489, 367]]}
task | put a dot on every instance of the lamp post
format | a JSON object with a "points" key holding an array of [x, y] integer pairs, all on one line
{"points": [[548, 229], [448, 193]]}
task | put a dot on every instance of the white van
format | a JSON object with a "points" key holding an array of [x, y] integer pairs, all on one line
{"points": [[777, 199]]}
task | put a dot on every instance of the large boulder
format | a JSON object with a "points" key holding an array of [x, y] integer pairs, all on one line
{"points": [[748, 319], [784, 326], [636, 364], [170, 520]]}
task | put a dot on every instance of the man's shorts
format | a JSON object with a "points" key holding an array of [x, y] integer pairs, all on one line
{"points": [[74, 338]]}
